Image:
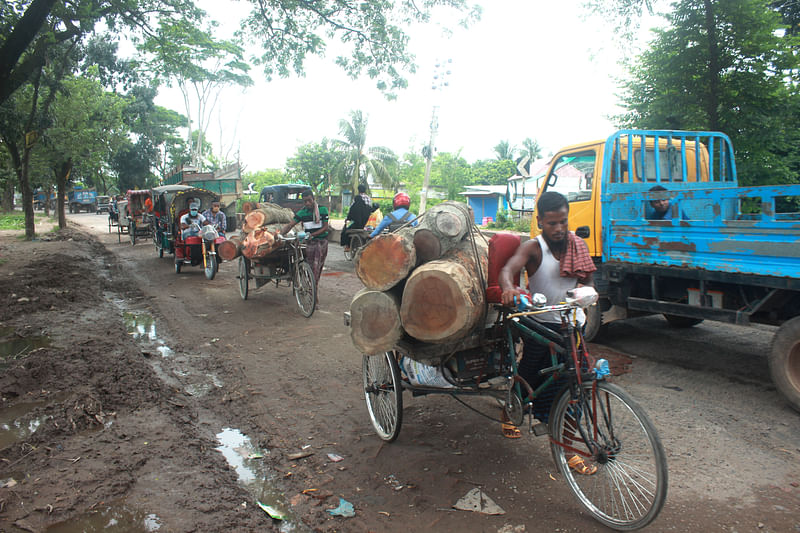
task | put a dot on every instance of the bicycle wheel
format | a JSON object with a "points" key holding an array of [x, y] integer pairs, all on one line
{"points": [[211, 266], [383, 393], [244, 277], [630, 485], [356, 242], [305, 289]]}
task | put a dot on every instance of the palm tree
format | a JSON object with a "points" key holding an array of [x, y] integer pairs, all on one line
{"points": [[504, 151], [357, 162], [531, 149]]}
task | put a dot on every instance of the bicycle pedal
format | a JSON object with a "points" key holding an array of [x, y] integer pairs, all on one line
{"points": [[541, 429]]}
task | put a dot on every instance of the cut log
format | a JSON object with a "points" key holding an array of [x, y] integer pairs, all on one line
{"points": [[375, 321], [385, 260], [249, 206], [230, 249], [443, 300], [443, 227], [266, 214], [261, 242]]}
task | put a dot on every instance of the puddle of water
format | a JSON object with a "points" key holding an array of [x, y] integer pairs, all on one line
{"points": [[248, 462], [17, 426], [140, 325], [13, 346], [114, 518]]}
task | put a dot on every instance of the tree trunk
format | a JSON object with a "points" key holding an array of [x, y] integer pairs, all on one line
{"points": [[375, 321], [442, 228], [444, 299], [386, 260], [8, 196], [62, 176], [27, 194], [266, 214], [230, 249]]}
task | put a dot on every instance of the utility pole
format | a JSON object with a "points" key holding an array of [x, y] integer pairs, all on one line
{"points": [[428, 153], [440, 75]]}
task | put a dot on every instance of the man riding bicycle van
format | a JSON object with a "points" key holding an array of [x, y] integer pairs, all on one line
{"points": [[397, 218]]}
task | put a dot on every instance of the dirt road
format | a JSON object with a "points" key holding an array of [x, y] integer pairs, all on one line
{"points": [[167, 403]]}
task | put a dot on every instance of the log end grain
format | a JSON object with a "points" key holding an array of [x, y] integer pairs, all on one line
{"points": [[228, 250], [385, 261], [374, 321]]}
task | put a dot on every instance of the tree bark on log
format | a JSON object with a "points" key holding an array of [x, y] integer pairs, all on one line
{"points": [[442, 228], [266, 214], [375, 321], [385, 261], [443, 300], [230, 249]]}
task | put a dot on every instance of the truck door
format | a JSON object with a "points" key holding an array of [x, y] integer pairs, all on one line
{"points": [[573, 175]]}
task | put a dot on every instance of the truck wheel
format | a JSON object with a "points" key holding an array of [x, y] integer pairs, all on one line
{"points": [[784, 361], [682, 321], [594, 323]]}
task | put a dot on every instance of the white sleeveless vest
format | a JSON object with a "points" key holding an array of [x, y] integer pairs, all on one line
{"points": [[548, 281]]}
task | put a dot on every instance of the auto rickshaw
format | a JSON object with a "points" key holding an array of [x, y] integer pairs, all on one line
{"points": [[197, 249], [161, 221]]}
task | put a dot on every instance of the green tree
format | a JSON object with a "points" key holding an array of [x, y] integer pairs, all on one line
{"points": [[32, 28], [504, 150], [493, 172], [372, 34], [714, 68], [202, 67], [314, 164], [262, 178], [357, 162], [451, 172]]}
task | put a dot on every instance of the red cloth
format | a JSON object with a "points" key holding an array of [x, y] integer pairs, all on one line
{"points": [[501, 247], [576, 261]]}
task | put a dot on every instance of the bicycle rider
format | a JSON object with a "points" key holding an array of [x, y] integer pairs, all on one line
{"points": [[400, 216], [556, 261]]}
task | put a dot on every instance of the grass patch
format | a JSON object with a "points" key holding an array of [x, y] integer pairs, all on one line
{"points": [[12, 221]]}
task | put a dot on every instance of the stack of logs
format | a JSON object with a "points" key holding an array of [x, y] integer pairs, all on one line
{"points": [[421, 281], [260, 223]]}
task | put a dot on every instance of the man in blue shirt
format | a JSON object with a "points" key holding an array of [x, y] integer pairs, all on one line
{"points": [[661, 208], [397, 218]]}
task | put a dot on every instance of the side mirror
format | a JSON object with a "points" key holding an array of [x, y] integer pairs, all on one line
{"points": [[516, 197], [583, 232]]}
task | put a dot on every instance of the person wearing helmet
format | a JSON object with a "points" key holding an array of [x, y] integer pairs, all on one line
{"points": [[399, 217], [191, 221]]}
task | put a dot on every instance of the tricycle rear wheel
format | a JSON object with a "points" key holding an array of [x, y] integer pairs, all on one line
{"points": [[630, 485], [384, 394]]}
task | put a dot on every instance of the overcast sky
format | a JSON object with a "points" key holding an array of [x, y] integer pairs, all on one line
{"points": [[529, 68]]}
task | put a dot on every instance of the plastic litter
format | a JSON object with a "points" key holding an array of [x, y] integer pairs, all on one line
{"points": [[476, 501], [273, 512], [345, 509], [335, 458]]}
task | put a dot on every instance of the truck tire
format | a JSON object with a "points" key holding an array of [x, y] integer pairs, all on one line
{"points": [[784, 361], [594, 323], [677, 321]]}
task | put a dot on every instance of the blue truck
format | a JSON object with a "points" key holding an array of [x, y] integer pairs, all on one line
{"points": [[82, 199], [723, 252]]}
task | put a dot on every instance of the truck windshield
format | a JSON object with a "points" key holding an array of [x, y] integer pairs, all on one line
{"points": [[572, 176]]}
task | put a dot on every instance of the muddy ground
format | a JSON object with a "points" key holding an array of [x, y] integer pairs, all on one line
{"points": [[135, 399]]}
